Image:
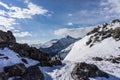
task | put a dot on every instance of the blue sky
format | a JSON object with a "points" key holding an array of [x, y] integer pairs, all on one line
{"points": [[37, 21]]}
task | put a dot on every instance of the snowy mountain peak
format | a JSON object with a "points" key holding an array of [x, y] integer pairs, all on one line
{"points": [[54, 46]]}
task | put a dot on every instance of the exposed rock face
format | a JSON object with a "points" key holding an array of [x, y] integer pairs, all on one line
{"points": [[31, 52], [3, 76], [25, 51], [33, 73], [7, 37], [84, 71], [23, 73], [15, 70]]}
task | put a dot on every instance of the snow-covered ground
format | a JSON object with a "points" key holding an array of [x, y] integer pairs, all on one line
{"points": [[9, 57], [64, 72]]}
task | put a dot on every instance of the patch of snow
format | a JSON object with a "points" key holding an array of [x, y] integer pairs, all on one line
{"points": [[12, 58]]}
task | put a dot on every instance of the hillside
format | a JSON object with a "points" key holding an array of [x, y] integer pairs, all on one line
{"points": [[100, 47]]}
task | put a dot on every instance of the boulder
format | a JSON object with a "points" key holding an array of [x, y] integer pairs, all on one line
{"points": [[56, 62], [84, 71], [15, 70], [3, 76], [45, 63], [97, 59], [33, 73]]}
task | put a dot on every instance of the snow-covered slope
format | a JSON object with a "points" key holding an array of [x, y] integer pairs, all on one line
{"points": [[102, 42], [99, 43]]}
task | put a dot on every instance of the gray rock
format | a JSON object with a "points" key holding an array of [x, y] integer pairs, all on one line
{"points": [[15, 70], [84, 71], [7, 37], [33, 73]]}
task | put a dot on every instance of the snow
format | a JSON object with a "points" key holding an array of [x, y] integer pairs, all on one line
{"points": [[74, 32], [63, 53], [81, 51], [13, 58], [62, 72]]}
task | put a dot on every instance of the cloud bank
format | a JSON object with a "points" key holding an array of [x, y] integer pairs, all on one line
{"points": [[73, 32]]}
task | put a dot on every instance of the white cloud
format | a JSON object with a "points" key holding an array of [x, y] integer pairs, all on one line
{"points": [[107, 10], [111, 6], [24, 41], [69, 14], [86, 17], [69, 23], [4, 5], [8, 17], [22, 34], [6, 23], [31, 10], [74, 32]]}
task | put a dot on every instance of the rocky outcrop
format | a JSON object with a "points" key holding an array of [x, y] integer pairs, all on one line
{"points": [[4, 76], [33, 73], [20, 72], [7, 37], [15, 70], [84, 71], [102, 32], [25, 50]]}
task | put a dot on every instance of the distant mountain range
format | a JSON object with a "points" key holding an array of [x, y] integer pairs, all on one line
{"points": [[63, 45], [54, 46]]}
